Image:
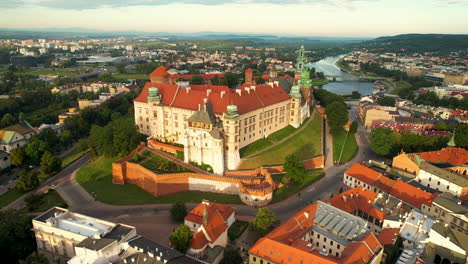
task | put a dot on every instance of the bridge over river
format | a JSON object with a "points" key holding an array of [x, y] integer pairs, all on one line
{"points": [[358, 77]]}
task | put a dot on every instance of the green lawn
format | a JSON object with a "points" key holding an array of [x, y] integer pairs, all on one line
{"points": [[71, 156], [48, 200], [10, 196], [254, 147], [282, 133], [139, 76], [159, 164], [291, 188], [350, 148], [306, 144], [319, 82], [96, 178]]}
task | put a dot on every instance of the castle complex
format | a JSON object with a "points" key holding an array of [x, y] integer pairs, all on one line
{"points": [[215, 122]]}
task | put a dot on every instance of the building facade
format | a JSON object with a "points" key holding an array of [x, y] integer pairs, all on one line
{"points": [[215, 122]]}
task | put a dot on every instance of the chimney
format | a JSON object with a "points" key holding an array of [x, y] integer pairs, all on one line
{"points": [[208, 91], [249, 76], [306, 214], [276, 83], [239, 92], [205, 100], [253, 87], [344, 198], [247, 89], [188, 89], [222, 94]]}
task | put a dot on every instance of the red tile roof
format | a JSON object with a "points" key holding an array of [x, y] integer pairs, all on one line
{"points": [[196, 215], [412, 195], [454, 156], [160, 71], [355, 199], [363, 173], [388, 236], [189, 76], [198, 241], [363, 250], [246, 101]]}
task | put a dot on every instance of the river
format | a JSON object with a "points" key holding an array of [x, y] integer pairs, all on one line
{"points": [[342, 85]]}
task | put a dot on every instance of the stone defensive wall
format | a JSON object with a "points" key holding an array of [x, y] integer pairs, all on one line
{"points": [[317, 162], [253, 189], [165, 147]]}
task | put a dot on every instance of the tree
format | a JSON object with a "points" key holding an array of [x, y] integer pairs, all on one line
{"points": [[387, 101], [67, 138], [353, 128], [461, 136], [178, 212], [231, 256], [7, 120], [120, 67], [264, 221], [441, 126], [383, 141], [294, 168], [50, 164], [259, 80], [16, 239], [355, 95], [196, 79], [49, 137], [17, 157], [34, 258], [180, 238], [35, 149], [27, 181], [337, 115]]}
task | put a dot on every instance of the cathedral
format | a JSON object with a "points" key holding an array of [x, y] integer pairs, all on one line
{"points": [[214, 122]]}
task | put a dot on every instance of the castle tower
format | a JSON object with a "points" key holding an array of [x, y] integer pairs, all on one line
{"points": [[248, 76], [231, 129], [156, 113], [295, 111], [160, 75]]}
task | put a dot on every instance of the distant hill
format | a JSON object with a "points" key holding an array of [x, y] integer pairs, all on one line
{"points": [[422, 42]]}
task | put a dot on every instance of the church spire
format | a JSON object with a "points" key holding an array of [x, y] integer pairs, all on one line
{"points": [[451, 142]]}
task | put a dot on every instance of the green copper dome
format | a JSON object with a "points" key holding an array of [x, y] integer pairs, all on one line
{"points": [[295, 92], [231, 111], [153, 91], [305, 75]]}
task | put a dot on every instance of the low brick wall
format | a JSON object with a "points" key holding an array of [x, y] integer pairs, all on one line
{"points": [[165, 147]]}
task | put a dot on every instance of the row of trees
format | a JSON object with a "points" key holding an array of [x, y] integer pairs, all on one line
{"points": [[432, 99], [387, 143]]}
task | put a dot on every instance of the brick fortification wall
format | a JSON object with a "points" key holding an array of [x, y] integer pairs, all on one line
{"points": [[165, 147]]}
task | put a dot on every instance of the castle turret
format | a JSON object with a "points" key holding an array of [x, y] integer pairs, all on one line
{"points": [[154, 102], [231, 129], [294, 119], [160, 75]]}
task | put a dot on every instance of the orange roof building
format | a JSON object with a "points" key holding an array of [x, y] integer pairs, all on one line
{"points": [[319, 233], [209, 223], [413, 197]]}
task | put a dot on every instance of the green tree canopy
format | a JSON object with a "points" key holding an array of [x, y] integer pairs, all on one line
{"points": [[35, 149], [27, 181], [337, 115], [50, 164], [259, 80], [34, 258], [49, 137], [264, 221], [355, 95], [180, 238], [178, 212], [383, 141], [387, 101], [16, 239], [120, 67], [196, 79], [294, 168], [7, 120], [17, 157], [231, 256], [461, 136]]}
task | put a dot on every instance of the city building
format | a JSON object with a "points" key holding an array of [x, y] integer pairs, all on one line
{"points": [[209, 223], [450, 210], [15, 136], [319, 233], [71, 112], [62, 235], [215, 122]]}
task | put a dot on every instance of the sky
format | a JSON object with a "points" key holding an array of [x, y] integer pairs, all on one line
{"points": [[331, 18]]}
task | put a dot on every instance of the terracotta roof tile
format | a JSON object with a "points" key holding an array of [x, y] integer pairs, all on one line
{"points": [[160, 71], [388, 236], [363, 173], [411, 194], [198, 240]]}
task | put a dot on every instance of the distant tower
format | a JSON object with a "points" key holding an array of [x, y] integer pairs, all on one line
{"points": [[248, 76], [231, 130], [160, 75], [301, 62], [295, 111]]}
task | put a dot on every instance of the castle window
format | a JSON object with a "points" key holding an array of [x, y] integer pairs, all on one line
{"points": [[227, 147]]}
